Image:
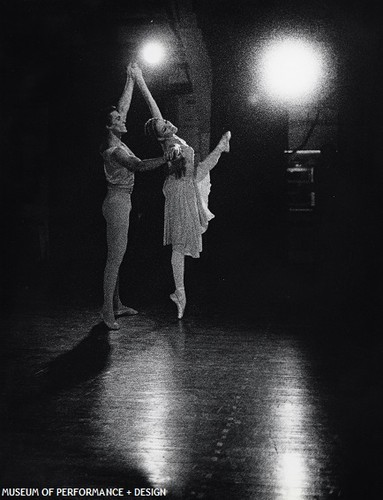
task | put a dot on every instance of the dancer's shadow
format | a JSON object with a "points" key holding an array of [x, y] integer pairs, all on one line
{"points": [[85, 361]]}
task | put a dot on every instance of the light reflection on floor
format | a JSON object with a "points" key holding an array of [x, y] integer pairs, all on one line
{"points": [[150, 416], [299, 454], [142, 398], [292, 478], [208, 408]]}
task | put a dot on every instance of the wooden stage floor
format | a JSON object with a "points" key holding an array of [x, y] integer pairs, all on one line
{"points": [[219, 406]]}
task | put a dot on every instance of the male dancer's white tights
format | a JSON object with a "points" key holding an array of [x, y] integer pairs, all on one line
{"points": [[116, 210]]}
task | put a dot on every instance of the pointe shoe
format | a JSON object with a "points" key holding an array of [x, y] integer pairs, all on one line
{"points": [[111, 325], [125, 311], [226, 137], [180, 302]]}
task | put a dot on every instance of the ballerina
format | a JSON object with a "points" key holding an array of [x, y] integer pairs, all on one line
{"points": [[186, 189]]}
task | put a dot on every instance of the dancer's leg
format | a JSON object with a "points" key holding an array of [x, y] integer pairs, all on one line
{"points": [[116, 250], [116, 211], [118, 307], [178, 266], [116, 294], [212, 158], [179, 296]]}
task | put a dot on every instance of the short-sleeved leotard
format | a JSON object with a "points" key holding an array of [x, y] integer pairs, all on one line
{"points": [[116, 174], [117, 203]]}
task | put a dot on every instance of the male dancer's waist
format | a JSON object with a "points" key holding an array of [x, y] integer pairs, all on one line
{"points": [[120, 187]]}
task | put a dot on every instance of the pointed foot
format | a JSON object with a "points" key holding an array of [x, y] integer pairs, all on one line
{"points": [[180, 301]]}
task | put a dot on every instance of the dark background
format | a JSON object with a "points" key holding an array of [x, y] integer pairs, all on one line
{"points": [[62, 62]]}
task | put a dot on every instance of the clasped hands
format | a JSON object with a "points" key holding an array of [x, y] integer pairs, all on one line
{"points": [[134, 71], [173, 153]]}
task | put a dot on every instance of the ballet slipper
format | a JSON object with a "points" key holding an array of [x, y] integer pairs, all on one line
{"points": [[180, 302], [110, 324], [226, 138], [125, 311]]}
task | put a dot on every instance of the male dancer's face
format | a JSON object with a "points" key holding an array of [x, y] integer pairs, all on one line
{"points": [[116, 124]]}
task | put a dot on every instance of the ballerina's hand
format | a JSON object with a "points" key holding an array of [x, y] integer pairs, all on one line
{"points": [[173, 153]]}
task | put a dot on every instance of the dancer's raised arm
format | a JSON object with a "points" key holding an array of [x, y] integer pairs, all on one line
{"points": [[126, 96], [154, 109]]}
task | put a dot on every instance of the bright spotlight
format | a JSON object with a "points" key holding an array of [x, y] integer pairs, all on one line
{"points": [[153, 53], [292, 70]]}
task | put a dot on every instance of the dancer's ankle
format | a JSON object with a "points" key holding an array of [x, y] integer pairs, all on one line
{"points": [[107, 313]]}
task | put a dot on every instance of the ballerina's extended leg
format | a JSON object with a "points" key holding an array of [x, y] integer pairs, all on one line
{"points": [[226, 141]]}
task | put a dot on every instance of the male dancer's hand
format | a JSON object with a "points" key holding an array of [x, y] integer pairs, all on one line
{"points": [[173, 153], [129, 70], [136, 71]]}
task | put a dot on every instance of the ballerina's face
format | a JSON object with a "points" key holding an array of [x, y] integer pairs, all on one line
{"points": [[165, 128]]}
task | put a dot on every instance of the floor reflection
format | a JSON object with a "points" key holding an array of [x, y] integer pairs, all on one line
{"points": [[292, 478], [206, 408], [141, 399], [210, 412], [295, 426]]}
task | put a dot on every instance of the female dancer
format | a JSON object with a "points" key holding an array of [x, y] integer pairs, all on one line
{"points": [[120, 163], [186, 191]]}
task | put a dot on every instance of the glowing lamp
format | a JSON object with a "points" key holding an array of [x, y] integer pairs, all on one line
{"points": [[153, 53], [292, 70]]}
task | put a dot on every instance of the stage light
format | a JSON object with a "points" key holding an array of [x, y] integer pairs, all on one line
{"points": [[292, 70], [153, 53]]}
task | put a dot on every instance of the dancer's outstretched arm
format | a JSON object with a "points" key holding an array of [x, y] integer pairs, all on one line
{"points": [[126, 96], [212, 158], [134, 164], [154, 109]]}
